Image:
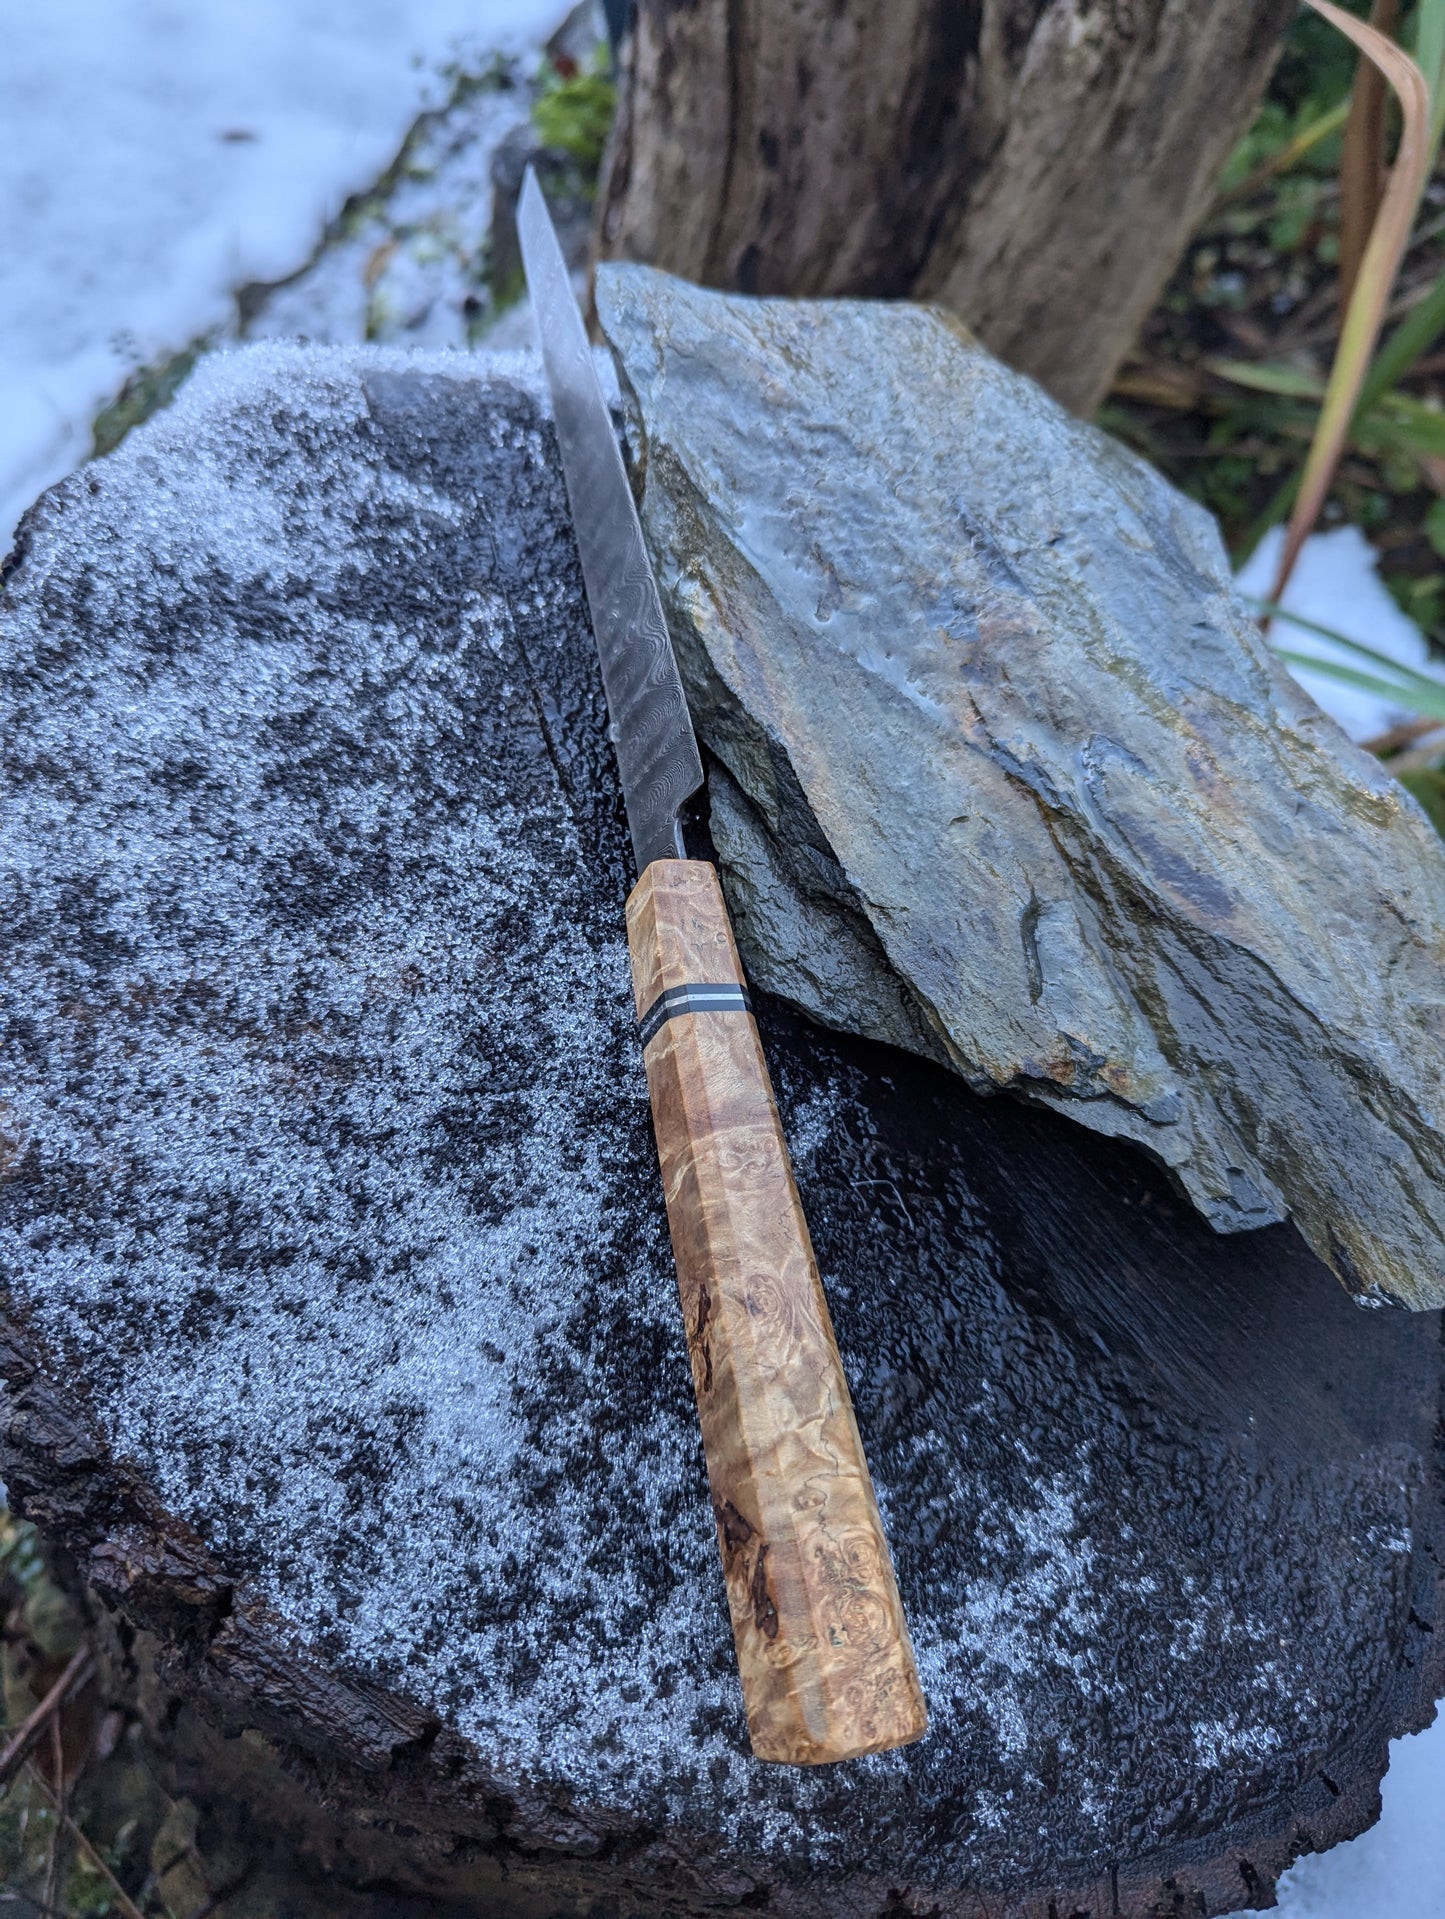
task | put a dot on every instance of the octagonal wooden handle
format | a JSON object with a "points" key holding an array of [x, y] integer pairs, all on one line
{"points": [[823, 1652]]}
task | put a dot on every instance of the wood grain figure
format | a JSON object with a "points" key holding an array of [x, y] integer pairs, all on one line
{"points": [[823, 1651]]}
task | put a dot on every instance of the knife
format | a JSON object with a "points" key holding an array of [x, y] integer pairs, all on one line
{"points": [[823, 1652]]}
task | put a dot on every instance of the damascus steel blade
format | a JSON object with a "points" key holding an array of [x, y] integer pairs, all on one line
{"points": [[650, 727]]}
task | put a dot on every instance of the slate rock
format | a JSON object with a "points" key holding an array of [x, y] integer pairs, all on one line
{"points": [[343, 1349], [1015, 781]]}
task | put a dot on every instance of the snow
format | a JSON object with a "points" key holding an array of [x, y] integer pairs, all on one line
{"points": [[1335, 584], [407, 270], [1398, 1866], [158, 156]]}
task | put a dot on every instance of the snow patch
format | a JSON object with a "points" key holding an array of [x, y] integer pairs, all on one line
{"points": [[1335, 584], [156, 158], [1398, 1866]]}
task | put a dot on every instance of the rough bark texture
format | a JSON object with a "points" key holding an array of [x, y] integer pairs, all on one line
{"points": [[343, 1347], [1036, 165]]}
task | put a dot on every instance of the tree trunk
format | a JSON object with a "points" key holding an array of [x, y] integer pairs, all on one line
{"points": [[1036, 165]]}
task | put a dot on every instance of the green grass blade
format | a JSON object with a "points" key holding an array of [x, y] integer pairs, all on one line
{"points": [[1291, 382], [1430, 58], [1401, 424], [1293, 150], [1408, 674], [1414, 336], [1431, 706]]}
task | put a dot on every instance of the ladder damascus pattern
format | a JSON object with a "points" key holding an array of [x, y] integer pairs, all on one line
{"points": [[650, 727]]}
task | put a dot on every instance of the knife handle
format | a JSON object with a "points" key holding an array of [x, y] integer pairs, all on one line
{"points": [[823, 1651]]}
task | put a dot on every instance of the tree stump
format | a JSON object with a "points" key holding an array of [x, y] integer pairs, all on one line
{"points": [[342, 1349], [1036, 167]]}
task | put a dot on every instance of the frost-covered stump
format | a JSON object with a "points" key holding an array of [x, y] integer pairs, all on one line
{"points": [[343, 1351]]}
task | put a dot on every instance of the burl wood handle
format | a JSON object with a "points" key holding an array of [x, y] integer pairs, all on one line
{"points": [[823, 1649]]}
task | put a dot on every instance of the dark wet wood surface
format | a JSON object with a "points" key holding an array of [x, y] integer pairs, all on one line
{"points": [[418, 1494]]}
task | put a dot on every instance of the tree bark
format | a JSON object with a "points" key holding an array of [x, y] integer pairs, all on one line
{"points": [[1035, 165]]}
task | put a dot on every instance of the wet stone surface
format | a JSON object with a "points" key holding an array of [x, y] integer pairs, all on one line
{"points": [[331, 1201], [1016, 782]]}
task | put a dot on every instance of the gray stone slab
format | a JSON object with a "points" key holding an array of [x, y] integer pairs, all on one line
{"points": [[1016, 780]]}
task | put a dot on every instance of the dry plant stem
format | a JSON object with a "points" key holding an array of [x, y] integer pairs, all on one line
{"points": [[823, 1652], [1421, 759], [1407, 733], [1388, 240], [75, 1675], [62, 1817], [1362, 163], [125, 1904]]}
